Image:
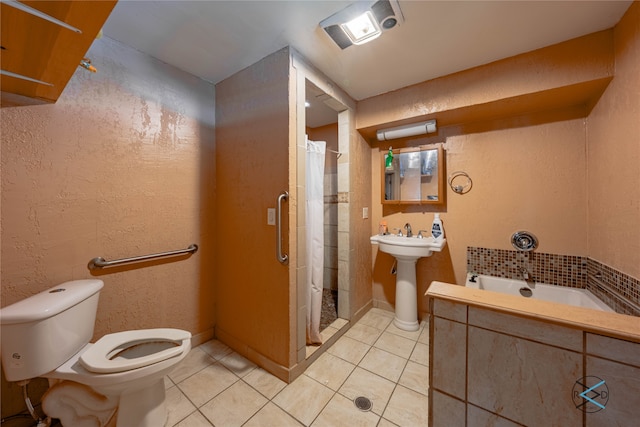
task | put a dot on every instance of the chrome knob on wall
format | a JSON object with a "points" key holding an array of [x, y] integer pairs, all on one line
{"points": [[524, 241]]}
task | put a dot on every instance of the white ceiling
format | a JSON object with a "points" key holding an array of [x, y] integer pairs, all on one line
{"points": [[215, 39]]}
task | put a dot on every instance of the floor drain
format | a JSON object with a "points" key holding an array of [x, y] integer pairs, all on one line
{"points": [[363, 403]]}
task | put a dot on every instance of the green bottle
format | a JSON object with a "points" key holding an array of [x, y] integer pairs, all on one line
{"points": [[389, 161]]}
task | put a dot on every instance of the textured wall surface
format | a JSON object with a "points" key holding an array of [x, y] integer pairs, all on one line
{"points": [[613, 147], [573, 183], [122, 165], [549, 67], [359, 227], [252, 137], [530, 178]]}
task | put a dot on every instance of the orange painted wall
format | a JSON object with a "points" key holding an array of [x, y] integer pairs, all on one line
{"points": [[546, 178], [359, 228], [613, 157], [122, 165], [528, 73], [530, 178], [329, 134], [252, 155]]}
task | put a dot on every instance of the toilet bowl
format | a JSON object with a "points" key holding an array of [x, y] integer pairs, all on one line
{"points": [[152, 363], [124, 351], [116, 381], [128, 366]]}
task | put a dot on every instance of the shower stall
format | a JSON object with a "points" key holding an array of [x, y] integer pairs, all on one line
{"points": [[261, 126], [328, 134]]}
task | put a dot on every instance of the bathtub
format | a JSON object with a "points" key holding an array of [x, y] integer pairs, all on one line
{"points": [[560, 294]]}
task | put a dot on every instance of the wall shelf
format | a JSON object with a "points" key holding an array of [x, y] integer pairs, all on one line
{"points": [[560, 103], [42, 50]]}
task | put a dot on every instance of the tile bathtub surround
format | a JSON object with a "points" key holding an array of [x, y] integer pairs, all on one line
{"points": [[560, 270], [215, 386], [501, 370], [563, 270], [616, 281]]}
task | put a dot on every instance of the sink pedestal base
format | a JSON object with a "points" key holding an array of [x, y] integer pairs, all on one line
{"points": [[406, 295], [407, 251]]}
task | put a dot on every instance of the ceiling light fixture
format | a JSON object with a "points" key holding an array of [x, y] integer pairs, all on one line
{"points": [[413, 129], [362, 29], [362, 21]]}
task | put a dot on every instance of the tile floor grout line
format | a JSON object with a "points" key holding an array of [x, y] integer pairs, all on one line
{"points": [[395, 386], [255, 413], [390, 394], [323, 408], [198, 371], [201, 413], [337, 393], [259, 392], [216, 395], [285, 411]]}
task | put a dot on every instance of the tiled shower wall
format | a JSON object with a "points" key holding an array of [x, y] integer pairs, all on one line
{"points": [[330, 278], [620, 291]]}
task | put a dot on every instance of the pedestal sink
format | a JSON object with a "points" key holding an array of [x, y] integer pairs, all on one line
{"points": [[407, 251]]}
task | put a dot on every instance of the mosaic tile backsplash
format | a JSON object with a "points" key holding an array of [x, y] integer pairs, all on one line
{"points": [[620, 291], [562, 270]]}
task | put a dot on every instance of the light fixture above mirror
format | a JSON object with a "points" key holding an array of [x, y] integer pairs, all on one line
{"points": [[413, 129]]}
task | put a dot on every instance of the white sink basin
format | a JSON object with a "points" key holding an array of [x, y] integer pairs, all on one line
{"points": [[407, 247], [407, 251]]}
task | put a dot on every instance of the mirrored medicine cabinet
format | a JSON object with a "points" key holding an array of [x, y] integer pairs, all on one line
{"points": [[413, 175]]}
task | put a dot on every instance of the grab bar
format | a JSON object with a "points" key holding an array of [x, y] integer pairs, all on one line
{"points": [[100, 262], [282, 258]]}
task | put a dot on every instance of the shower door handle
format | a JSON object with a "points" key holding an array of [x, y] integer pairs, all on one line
{"points": [[282, 258]]}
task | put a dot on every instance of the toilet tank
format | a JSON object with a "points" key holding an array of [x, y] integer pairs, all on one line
{"points": [[43, 331]]}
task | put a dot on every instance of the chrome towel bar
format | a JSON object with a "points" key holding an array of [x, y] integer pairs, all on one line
{"points": [[100, 262]]}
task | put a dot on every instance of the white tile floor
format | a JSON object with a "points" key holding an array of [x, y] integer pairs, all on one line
{"points": [[215, 386]]}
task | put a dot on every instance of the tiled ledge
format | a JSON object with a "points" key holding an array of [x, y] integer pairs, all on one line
{"points": [[613, 287], [603, 323]]}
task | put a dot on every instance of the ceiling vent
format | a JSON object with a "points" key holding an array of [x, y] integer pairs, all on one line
{"points": [[362, 22]]}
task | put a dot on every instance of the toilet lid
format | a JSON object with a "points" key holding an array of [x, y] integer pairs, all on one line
{"points": [[123, 351]]}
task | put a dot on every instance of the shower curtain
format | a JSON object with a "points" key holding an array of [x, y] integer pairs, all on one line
{"points": [[315, 237]]}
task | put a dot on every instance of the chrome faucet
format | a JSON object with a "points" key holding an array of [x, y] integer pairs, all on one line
{"points": [[407, 226], [527, 277]]}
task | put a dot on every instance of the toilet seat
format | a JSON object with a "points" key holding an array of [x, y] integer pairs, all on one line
{"points": [[120, 351]]}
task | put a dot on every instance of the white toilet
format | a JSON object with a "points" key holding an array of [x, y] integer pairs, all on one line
{"points": [[47, 335]]}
